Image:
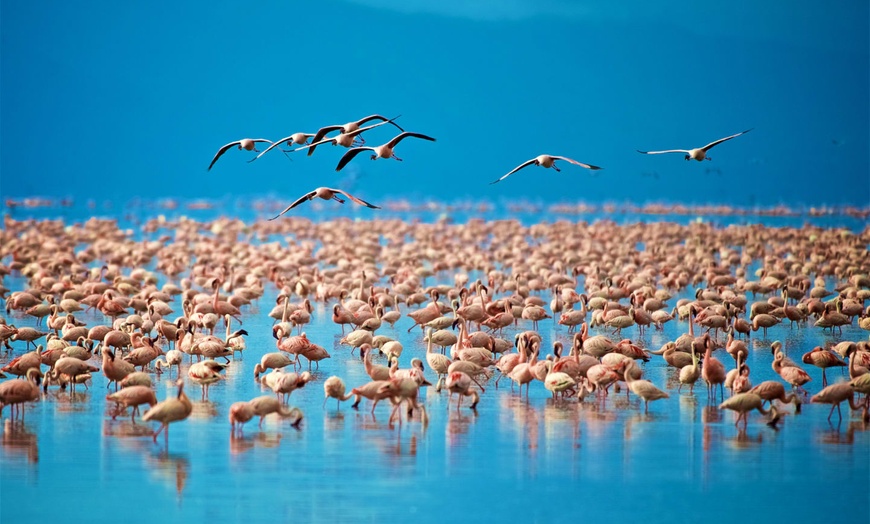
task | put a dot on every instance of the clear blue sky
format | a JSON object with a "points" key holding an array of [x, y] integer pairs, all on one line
{"points": [[116, 99]]}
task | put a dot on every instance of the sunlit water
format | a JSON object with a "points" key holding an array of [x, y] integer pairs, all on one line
{"points": [[513, 459]]}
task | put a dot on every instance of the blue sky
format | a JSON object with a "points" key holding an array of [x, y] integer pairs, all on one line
{"points": [[119, 99]]}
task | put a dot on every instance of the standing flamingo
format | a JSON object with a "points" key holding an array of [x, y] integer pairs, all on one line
{"points": [[170, 410], [743, 403]]}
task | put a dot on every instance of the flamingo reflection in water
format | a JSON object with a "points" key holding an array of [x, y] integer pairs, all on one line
{"points": [[17, 438], [172, 468]]}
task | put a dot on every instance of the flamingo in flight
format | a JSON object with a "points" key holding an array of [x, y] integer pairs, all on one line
{"points": [[325, 193], [382, 151], [700, 153], [344, 138], [296, 138], [545, 161], [353, 126], [248, 144]]}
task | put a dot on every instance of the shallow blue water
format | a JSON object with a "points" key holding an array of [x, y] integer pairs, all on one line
{"points": [[513, 459]]}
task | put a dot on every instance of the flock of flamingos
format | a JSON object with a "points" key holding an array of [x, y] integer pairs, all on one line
{"points": [[161, 298], [349, 135]]}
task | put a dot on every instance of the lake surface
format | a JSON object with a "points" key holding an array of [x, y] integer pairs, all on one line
{"points": [[513, 459]]}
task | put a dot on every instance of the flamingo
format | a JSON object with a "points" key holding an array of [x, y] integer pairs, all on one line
{"points": [[267, 404], [73, 367], [326, 193], [794, 375], [287, 383], [713, 373], [248, 144], [132, 396], [689, 374], [699, 153], [353, 126], [823, 358], [545, 161], [296, 138], [205, 374], [382, 151], [460, 383], [834, 395], [743, 403], [376, 390], [771, 390], [643, 388], [240, 413], [334, 387], [274, 360], [169, 410], [350, 138], [115, 369], [19, 391], [557, 381]]}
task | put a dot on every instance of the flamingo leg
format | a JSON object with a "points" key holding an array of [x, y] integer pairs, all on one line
{"points": [[158, 432]]}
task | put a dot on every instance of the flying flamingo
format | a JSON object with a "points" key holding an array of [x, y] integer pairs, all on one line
{"points": [[296, 138], [381, 151], [326, 193], [351, 138], [249, 144], [353, 126], [546, 161], [698, 154]]}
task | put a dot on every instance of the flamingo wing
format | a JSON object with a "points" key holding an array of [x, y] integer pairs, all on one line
{"points": [[221, 151], [303, 198], [319, 136], [366, 128], [379, 117], [392, 143], [581, 164], [352, 152], [310, 147], [355, 199], [711, 144], [514, 170], [666, 151], [274, 145]]}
